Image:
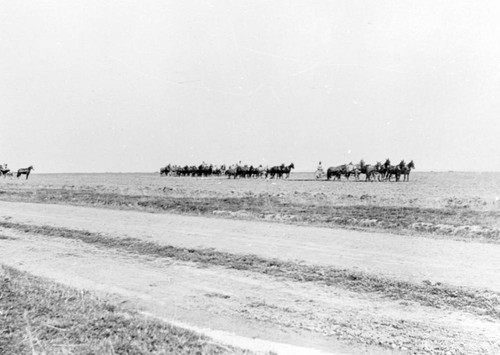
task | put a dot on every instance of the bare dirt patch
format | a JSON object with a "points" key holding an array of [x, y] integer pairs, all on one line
{"points": [[426, 293], [406, 258], [305, 314]]}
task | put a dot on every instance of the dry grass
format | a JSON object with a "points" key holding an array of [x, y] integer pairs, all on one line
{"points": [[484, 303], [451, 222], [41, 317]]}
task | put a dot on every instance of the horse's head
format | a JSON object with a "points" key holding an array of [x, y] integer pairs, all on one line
{"points": [[291, 166], [411, 165]]}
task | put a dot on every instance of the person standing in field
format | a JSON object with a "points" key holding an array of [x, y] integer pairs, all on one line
{"points": [[319, 171]]}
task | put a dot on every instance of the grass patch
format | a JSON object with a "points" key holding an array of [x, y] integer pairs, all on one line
{"points": [[457, 223], [41, 317], [434, 295]]}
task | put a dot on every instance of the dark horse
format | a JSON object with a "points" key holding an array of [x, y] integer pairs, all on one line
{"points": [[165, 170], [281, 171], [406, 169], [335, 172], [285, 172], [392, 170], [4, 172], [396, 170], [25, 171]]}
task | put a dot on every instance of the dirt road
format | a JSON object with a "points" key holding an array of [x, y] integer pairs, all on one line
{"points": [[403, 257], [236, 306]]}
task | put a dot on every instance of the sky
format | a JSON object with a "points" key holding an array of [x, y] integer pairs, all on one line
{"points": [[130, 86]]}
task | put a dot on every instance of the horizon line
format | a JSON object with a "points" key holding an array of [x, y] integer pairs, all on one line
{"points": [[298, 171]]}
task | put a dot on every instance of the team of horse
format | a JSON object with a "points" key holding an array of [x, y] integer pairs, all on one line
{"points": [[372, 172], [203, 170], [249, 171], [235, 171], [6, 172]]}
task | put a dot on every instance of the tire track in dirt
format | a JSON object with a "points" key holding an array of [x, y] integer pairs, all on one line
{"points": [[253, 305], [408, 258], [482, 303]]}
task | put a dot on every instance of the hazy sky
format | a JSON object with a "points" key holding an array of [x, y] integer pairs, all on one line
{"points": [[94, 86]]}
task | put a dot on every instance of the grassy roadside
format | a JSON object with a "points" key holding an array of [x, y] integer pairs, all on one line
{"points": [[41, 317], [484, 303], [456, 223]]}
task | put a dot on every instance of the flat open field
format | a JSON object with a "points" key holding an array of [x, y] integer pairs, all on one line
{"points": [[296, 266], [455, 205]]}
